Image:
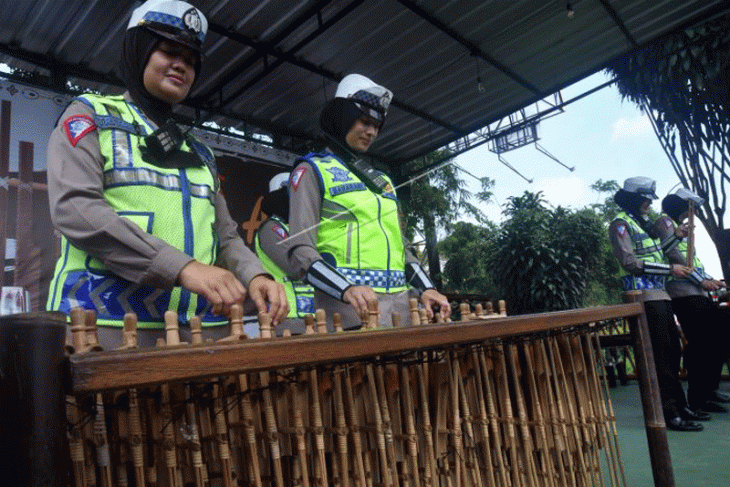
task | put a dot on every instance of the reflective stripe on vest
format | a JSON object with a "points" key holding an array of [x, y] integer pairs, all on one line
{"points": [[299, 295], [359, 230], [646, 249], [174, 204]]}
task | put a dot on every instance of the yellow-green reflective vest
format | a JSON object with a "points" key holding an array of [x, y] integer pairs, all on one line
{"points": [[175, 204], [299, 295], [646, 249], [696, 263], [359, 231]]}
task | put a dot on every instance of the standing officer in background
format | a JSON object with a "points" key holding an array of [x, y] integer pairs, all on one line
{"points": [[137, 200], [346, 237], [270, 248], [702, 321], [644, 268]]}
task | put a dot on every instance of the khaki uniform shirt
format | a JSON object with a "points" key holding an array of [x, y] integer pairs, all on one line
{"points": [[80, 212]]}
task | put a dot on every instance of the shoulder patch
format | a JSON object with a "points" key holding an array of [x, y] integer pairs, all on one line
{"points": [[296, 177], [668, 223], [77, 126], [279, 231], [621, 229]]}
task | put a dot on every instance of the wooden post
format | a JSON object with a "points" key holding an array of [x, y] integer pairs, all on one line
{"points": [[656, 429]]}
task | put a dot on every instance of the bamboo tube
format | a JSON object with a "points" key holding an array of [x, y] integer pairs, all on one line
{"points": [[153, 439], [168, 428], [610, 415], [456, 435], [413, 308], [359, 456], [78, 329], [129, 335], [565, 403], [103, 458], [472, 464], [502, 307], [196, 330], [589, 365], [423, 316], [385, 472], [489, 376], [585, 405], [92, 339], [254, 470], [383, 400], [478, 310], [76, 443], [500, 373], [272, 430], [489, 310], [546, 464], [199, 473], [411, 438], [528, 449], [135, 438], [483, 418], [300, 471], [341, 430], [320, 464], [564, 459], [221, 435]]}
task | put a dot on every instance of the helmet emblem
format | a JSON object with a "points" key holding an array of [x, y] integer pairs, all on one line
{"points": [[191, 20]]}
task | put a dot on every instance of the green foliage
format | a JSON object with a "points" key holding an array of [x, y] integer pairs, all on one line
{"points": [[541, 258], [467, 249], [441, 197]]}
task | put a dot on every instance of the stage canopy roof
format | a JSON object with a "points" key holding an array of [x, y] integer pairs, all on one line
{"points": [[455, 66]]}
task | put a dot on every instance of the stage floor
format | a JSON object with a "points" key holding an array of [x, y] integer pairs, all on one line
{"points": [[699, 459]]}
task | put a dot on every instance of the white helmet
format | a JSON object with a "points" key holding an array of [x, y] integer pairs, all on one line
{"points": [[172, 19], [279, 181], [372, 99]]}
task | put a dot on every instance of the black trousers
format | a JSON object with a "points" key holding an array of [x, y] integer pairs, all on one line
{"points": [[667, 349], [706, 330]]}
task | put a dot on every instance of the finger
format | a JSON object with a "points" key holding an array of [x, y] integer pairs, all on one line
{"points": [[258, 299]]}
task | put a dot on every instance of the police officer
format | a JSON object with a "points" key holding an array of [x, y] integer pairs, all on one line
{"points": [[644, 268], [145, 227], [702, 321], [271, 249], [346, 237]]}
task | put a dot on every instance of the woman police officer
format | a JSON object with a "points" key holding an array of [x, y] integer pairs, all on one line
{"points": [[145, 226], [346, 237]]}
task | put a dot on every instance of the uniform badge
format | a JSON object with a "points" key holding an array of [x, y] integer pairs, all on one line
{"points": [[296, 177], [621, 230], [279, 231], [339, 175], [192, 21], [668, 223], [77, 126]]}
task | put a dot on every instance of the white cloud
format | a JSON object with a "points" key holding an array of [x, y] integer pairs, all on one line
{"points": [[638, 126], [567, 191]]}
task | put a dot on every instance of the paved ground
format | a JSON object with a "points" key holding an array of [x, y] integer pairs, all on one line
{"points": [[700, 459]]}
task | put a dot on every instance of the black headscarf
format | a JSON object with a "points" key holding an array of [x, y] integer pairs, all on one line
{"points": [[674, 206], [276, 203], [337, 119], [631, 204], [139, 43]]}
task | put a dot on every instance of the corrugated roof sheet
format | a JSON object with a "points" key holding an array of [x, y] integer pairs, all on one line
{"points": [[271, 64]]}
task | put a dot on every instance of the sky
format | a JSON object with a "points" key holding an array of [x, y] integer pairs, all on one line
{"points": [[602, 137]]}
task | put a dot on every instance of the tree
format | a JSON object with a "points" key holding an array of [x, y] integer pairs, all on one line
{"points": [[541, 257], [436, 201], [467, 250], [681, 81]]}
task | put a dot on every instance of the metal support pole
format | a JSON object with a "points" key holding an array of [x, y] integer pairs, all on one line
{"points": [[656, 429]]}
